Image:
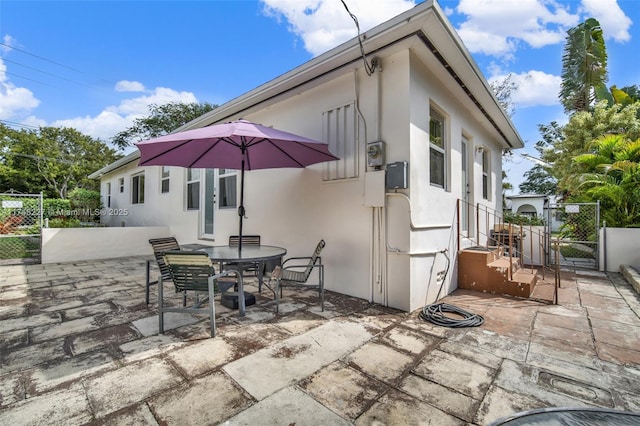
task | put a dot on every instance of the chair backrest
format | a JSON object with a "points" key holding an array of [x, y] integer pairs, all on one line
{"points": [[160, 245], [189, 270], [254, 240], [313, 260]]}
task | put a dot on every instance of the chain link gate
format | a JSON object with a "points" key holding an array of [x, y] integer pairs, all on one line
{"points": [[20, 228], [575, 229]]}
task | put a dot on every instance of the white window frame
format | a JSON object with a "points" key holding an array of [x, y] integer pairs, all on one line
{"points": [[227, 188], [137, 188], [193, 178], [121, 184], [439, 145], [108, 194], [486, 174], [165, 174]]}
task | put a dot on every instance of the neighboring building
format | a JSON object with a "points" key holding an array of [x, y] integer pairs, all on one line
{"points": [[532, 205], [537, 205], [443, 133]]}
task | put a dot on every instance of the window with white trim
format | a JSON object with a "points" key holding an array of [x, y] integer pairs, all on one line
{"points": [[193, 189], [437, 149], [121, 184], [164, 180], [486, 174], [227, 188], [339, 130], [108, 194], [137, 189]]}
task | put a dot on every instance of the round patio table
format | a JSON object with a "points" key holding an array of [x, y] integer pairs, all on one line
{"points": [[249, 254]]}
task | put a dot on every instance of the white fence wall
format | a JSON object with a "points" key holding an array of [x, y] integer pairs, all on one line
{"points": [[72, 244], [619, 246]]}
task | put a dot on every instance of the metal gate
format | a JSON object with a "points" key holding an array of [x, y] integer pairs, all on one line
{"points": [[20, 228], [572, 231]]}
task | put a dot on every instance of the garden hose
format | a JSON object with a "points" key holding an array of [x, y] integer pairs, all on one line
{"points": [[434, 312]]}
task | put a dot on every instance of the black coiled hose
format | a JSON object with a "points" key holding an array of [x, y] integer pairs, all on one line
{"points": [[435, 313]]}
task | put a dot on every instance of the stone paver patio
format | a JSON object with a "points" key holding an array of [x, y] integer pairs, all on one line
{"points": [[78, 345]]}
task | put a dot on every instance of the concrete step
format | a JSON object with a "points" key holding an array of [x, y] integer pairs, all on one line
{"points": [[525, 276]]}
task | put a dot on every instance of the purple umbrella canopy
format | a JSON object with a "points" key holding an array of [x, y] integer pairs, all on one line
{"points": [[239, 145]]}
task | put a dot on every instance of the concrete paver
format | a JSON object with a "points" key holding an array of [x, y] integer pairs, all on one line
{"points": [[275, 367], [78, 345], [289, 406]]}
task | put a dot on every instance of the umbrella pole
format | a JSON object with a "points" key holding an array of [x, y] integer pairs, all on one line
{"points": [[241, 208]]}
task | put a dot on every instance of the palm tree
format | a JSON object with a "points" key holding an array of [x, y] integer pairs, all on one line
{"points": [[584, 66], [612, 176]]}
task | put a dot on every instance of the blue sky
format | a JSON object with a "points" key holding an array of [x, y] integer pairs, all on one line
{"points": [[97, 65]]}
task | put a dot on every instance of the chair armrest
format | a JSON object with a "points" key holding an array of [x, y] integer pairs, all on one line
{"points": [[296, 258]]}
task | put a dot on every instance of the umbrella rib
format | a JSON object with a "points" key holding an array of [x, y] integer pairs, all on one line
{"points": [[167, 151], [281, 150]]}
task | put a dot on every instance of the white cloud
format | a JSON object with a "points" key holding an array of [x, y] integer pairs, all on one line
{"points": [[324, 24], [615, 24], [8, 42], [129, 86], [496, 27], [116, 118], [103, 126], [533, 88], [14, 100]]}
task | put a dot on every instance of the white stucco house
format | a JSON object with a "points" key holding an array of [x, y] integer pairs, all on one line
{"points": [[537, 205], [533, 205], [386, 219]]}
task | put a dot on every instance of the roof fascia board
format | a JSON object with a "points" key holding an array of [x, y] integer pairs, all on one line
{"points": [[115, 165], [400, 27], [426, 21]]}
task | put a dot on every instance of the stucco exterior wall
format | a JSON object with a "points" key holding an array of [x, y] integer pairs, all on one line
{"points": [[391, 255], [620, 246], [74, 244]]}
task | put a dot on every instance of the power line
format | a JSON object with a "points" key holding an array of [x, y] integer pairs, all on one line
{"points": [[44, 72], [40, 57], [16, 124], [38, 157], [27, 78]]}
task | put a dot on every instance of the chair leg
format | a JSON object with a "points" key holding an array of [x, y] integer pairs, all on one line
{"points": [[148, 281], [184, 298], [212, 308], [322, 287], [160, 307], [276, 293]]}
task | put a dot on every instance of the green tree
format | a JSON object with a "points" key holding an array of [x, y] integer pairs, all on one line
{"points": [[538, 181], [162, 119], [584, 66], [503, 90], [576, 137], [612, 176], [51, 159]]}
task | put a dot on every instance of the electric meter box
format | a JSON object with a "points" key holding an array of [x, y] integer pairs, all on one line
{"points": [[397, 176]]}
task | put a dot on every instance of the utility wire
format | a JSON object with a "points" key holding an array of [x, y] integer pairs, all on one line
{"points": [[15, 123], [39, 57], [369, 68], [38, 157], [27, 78], [43, 72]]}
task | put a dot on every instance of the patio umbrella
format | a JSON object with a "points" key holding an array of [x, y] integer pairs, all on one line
{"points": [[239, 145]]}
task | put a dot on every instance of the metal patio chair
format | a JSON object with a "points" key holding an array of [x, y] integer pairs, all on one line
{"points": [[160, 245], [297, 275], [192, 271], [248, 270]]}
